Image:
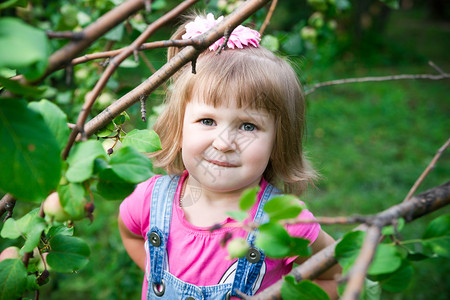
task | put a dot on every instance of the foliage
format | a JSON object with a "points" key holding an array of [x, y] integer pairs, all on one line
{"points": [[33, 131]]}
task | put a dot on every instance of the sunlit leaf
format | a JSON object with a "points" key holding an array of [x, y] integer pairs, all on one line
{"points": [[28, 48], [283, 207], [248, 198], [131, 165], [81, 160], [143, 140], [55, 119], [274, 240], [72, 199], [238, 215]]}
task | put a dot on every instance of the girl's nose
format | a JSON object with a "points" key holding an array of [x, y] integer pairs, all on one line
{"points": [[225, 141]]}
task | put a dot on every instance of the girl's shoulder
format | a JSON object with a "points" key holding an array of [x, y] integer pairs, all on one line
{"points": [[135, 209]]}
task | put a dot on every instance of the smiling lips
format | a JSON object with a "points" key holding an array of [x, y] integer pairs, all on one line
{"points": [[221, 163]]}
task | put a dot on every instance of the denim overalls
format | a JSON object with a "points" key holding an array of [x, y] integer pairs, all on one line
{"points": [[162, 284]]}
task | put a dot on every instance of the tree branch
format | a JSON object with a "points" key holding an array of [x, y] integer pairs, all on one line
{"points": [[427, 170], [268, 17], [186, 55], [114, 63], [91, 33], [7, 205], [418, 206], [312, 88]]}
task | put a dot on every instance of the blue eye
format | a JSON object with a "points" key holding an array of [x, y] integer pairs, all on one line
{"points": [[248, 127], [207, 122]]}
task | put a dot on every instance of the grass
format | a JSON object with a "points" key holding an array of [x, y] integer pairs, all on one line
{"points": [[371, 141]]}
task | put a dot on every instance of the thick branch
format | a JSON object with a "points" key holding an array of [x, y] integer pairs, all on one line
{"points": [[93, 32], [115, 62], [416, 207], [165, 72]]}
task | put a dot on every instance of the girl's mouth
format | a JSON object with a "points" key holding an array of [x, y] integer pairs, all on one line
{"points": [[222, 163]]}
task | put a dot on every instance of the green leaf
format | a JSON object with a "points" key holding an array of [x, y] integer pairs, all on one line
{"points": [[59, 229], [394, 4], [81, 160], [270, 42], [387, 259], [17, 88], [274, 240], [283, 207], [68, 254], [303, 290], [238, 215], [29, 153], [10, 3], [143, 140], [371, 290], [390, 230], [72, 199], [131, 165], [112, 187], [300, 247], [399, 280], [348, 248], [10, 230], [32, 284], [55, 119], [248, 198], [108, 131], [28, 48], [13, 279], [437, 236]]}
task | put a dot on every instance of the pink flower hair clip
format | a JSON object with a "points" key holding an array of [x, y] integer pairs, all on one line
{"points": [[240, 37]]}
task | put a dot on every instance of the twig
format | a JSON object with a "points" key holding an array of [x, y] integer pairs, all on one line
{"points": [[143, 98], [268, 17], [422, 204], [70, 35], [359, 269], [186, 55], [7, 205], [427, 170], [101, 83], [146, 46], [311, 88], [432, 64]]}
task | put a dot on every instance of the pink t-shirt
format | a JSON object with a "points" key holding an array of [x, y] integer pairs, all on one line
{"points": [[195, 254]]}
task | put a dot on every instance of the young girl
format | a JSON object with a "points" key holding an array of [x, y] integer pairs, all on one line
{"points": [[236, 124]]}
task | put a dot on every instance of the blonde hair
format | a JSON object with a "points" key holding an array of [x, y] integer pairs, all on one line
{"points": [[254, 78]]}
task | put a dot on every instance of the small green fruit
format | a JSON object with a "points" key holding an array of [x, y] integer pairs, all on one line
{"points": [[237, 248], [308, 33], [316, 20]]}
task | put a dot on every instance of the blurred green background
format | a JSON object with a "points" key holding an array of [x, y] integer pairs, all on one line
{"points": [[369, 141]]}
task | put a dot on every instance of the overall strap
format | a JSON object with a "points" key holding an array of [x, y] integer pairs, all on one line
{"points": [[249, 267], [160, 217]]}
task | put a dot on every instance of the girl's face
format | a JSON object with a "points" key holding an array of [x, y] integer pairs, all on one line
{"points": [[226, 149]]}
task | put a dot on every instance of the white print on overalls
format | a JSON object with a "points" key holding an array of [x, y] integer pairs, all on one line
{"points": [[228, 277]]}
